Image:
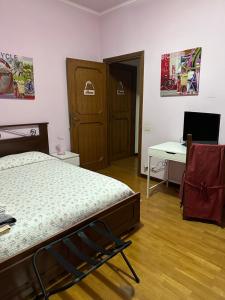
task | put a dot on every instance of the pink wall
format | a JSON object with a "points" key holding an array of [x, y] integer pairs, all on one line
{"points": [[164, 26], [49, 31]]}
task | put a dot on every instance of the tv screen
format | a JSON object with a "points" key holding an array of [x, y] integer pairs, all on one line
{"points": [[204, 127]]}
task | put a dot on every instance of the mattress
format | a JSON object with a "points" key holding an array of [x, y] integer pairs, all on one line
{"points": [[46, 196]]}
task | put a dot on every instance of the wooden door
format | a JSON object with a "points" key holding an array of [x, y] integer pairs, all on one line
{"points": [[88, 112], [122, 98]]}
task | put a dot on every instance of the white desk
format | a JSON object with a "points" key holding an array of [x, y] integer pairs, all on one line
{"points": [[167, 151]]}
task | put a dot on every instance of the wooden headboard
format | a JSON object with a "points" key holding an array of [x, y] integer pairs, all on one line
{"points": [[25, 143]]}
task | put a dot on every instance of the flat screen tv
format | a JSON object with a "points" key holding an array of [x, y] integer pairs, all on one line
{"points": [[204, 127]]}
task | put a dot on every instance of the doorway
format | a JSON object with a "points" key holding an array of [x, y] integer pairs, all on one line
{"points": [[89, 109], [121, 111], [125, 101]]}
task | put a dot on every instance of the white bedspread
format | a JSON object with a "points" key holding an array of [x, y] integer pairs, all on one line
{"points": [[46, 196]]}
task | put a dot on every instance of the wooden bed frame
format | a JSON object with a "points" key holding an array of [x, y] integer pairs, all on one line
{"points": [[17, 279]]}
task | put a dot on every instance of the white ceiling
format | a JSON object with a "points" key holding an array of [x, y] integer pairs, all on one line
{"points": [[100, 6]]}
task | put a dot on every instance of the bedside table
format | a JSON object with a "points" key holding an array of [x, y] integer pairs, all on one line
{"points": [[68, 157]]}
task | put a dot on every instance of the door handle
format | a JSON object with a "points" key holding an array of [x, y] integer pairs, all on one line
{"points": [[76, 119], [73, 119]]}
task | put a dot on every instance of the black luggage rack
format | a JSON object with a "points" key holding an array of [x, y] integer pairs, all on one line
{"points": [[99, 254]]}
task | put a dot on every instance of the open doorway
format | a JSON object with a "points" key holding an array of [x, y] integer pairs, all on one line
{"points": [[125, 101]]}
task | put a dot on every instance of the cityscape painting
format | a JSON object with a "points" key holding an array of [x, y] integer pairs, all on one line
{"points": [[16, 77], [180, 73]]}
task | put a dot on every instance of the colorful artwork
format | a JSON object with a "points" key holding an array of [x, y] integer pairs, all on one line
{"points": [[180, 72], [16, 77]]}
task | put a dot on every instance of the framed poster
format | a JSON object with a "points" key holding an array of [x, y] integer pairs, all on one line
{"points": [[16, 77], [180, 73]]}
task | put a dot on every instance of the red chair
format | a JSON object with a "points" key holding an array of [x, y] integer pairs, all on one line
{"points": [[203, 185]]}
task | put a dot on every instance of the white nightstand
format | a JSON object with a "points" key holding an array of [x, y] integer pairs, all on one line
{"points": [[68, 157]]}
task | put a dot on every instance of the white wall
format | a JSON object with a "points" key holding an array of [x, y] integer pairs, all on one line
{"points": [[48, 31], [159, 27]]}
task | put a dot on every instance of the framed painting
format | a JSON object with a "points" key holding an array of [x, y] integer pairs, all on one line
{"points": [[180, 73], [16, 77]]}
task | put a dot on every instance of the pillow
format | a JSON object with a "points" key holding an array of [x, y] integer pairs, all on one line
{"points": [[16, 160]]}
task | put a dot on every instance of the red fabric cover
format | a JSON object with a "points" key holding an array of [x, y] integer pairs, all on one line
{"points": [[202, 189]]}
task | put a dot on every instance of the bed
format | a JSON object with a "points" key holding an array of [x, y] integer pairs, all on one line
{"points": [[33, 184]]}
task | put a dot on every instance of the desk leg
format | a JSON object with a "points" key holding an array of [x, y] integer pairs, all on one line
{"points": [[167, 173], [148, 176]]}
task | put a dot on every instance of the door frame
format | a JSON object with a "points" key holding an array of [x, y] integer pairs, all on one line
{"points": [[119, 59]]}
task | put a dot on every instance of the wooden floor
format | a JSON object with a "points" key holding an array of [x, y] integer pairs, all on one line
{"points": [[175, 259]]}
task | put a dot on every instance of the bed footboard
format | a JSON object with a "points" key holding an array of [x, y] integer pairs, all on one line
{"points": [[17, 278]]}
